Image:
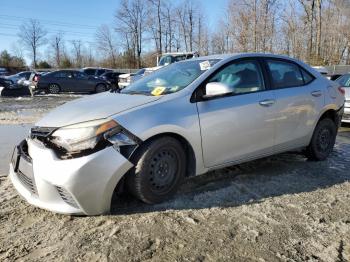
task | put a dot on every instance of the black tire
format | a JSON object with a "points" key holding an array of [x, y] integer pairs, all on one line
{"points": [[54, 88], [100, 88], [322, 141], [160, 167]]}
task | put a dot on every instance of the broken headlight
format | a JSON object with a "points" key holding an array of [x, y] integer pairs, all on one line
{"points": [[83, 136]]}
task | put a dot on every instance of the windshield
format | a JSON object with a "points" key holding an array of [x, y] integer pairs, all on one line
{"points": [[170, 79], [344, 80]]}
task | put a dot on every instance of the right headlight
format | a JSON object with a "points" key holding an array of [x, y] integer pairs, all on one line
{"points": [[82, 136]]}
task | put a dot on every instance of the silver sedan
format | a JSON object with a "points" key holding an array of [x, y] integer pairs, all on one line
{"points": [[183, 120]]}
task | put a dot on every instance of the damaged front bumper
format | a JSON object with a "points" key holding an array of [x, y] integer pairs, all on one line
{"points": [[82, 185]]}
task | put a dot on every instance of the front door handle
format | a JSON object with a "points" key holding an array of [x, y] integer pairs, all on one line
{"points": [[316, 93], [267, 102]]}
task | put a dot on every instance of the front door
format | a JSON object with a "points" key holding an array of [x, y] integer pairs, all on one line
{"points": [[239, 126]]}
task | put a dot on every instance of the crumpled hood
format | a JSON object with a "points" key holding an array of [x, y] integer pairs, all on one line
{"points": [[93, 107]]}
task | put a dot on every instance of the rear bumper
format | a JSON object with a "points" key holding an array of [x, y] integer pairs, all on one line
{"points": [[82, 185], [346, 115], [123, 84]]}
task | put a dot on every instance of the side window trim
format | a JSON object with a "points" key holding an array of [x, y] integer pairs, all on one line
{"points": [[196, 96]]}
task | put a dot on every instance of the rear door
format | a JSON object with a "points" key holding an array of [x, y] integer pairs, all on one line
{"points": [[299, 99], [63, 79], [238, 126], [83, 82]]}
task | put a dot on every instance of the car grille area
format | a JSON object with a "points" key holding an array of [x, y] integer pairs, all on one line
{"points": [[27, 182], [66, 197]]}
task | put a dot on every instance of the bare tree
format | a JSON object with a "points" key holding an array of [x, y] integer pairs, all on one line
{"points": [[77, 50], [106, 43], [130, 22], [32, 35], [57, 44], [156, 22]]}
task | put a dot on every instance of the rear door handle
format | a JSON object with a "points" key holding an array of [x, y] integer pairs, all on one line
{"points": [[316, 93], [267, 102]]}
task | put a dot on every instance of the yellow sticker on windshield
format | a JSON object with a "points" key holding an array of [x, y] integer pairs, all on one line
{"points": [[157, 91]]}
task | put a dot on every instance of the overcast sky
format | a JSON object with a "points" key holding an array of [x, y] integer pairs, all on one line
{"points": [[77, 19]]}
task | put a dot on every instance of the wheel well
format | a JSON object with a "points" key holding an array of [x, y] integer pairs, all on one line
{"points": [[98, 84], [331, 114], [190, 156], [190, 159]]}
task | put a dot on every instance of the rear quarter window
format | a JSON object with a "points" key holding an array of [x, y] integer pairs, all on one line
{"points": [[308, 78]]}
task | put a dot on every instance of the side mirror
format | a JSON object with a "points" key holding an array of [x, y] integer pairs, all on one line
{"points": [[215, 89]]}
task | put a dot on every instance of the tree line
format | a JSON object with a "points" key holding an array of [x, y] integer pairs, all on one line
{"points": [[316, 31]]}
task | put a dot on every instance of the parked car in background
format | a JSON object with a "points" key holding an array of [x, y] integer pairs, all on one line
{"points": [[127, 79], [344, 82], [111, 77], [71, 81], [25, 74], [14, 89], [3, 71], [6, 83], [169, 58], [95, 71], [334, 77], [323, 71], [170, 125]]}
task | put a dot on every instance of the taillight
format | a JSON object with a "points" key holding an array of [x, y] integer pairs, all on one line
{"points": [[341, 90]]}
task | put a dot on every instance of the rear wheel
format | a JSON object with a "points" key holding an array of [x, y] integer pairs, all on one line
{"points": [[54, 89], [322, 141], [100, 88], [160, 166]]}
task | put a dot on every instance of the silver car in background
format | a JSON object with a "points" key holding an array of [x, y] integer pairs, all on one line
{"points": [[344, 82], [182, 120]]}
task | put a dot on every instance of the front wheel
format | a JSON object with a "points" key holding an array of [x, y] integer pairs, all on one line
{"points": [[160, 167], [322, 141]]}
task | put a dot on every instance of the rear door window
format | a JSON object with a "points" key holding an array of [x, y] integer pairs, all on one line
{"points": [[285, 74], [100, 72], [62, 74], [80, 75]]}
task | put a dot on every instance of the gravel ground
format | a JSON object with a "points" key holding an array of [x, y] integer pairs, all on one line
{"points": [[281, 208]]}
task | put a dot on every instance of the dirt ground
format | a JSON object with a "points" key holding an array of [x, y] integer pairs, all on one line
{"points": [[281, 208]]}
